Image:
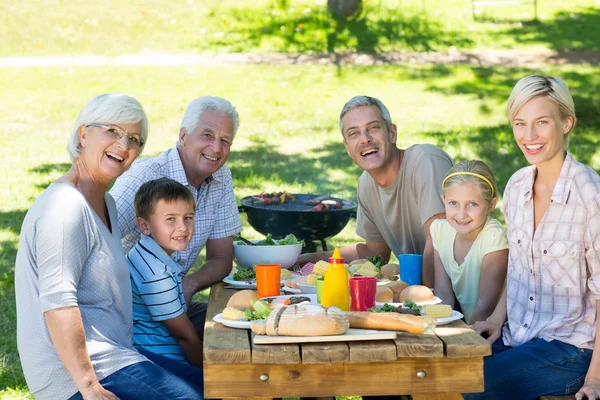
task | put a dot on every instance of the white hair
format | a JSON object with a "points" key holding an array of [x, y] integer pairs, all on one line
{"points": [[191, 117], [108, 108], [361, 101]]}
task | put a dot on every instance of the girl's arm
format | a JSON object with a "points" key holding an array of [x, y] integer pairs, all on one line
{"points": [[591, 386], [493, 275], [442, 286]]}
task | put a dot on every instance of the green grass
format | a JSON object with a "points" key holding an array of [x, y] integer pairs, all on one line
{"points": [[115, 27], [288, 137]]}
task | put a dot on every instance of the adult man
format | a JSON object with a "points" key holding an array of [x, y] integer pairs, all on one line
{"points": [[399, 192], [198, 160]]}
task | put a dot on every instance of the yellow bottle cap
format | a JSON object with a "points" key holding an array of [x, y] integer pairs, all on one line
{"points": [[336, 258], [336, 253]]}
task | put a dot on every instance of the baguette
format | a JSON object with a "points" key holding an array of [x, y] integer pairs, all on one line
{"points": [[391, 322], [306, 320]]}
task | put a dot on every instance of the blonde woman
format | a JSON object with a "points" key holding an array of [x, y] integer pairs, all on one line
{"points": [[544, 327]]}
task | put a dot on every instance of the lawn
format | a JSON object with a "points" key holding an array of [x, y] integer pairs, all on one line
{"points": [[112, 27], [288, 137]]}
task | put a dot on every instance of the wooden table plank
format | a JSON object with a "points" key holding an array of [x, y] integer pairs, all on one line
{"points": [[373, 351], [223, 345], [275, 353], [460, 341], [411, 345], [442, 375], [325, 353]]}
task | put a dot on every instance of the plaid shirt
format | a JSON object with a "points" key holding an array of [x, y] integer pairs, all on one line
{"points": [[216, 214], [553, 275]]}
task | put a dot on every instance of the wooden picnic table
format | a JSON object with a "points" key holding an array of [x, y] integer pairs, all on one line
{"points": [[439, 366]]}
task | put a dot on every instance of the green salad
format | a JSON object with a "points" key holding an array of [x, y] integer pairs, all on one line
{"points": [[268, 241]]}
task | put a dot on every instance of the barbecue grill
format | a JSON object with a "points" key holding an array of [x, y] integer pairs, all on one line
{"points": [[298, 218]]}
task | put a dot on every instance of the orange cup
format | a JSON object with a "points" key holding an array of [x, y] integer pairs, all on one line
{"points": [[268, 279]]}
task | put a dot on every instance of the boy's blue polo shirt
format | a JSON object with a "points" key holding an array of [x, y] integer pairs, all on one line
{"points": [[157, 296]]}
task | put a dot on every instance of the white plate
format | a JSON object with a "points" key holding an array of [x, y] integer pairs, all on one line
{"points": [[231, 323], [307, 289], [312, 297], [455, 316], [436, 300], [290, 290], [241, 284]]}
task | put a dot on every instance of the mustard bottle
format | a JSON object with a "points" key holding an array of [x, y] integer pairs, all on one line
{"points": [[336, 291]]}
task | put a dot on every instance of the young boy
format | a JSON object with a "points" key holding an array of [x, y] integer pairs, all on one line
{"points": [[161, 328]]}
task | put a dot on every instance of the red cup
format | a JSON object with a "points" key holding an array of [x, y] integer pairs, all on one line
{"points": [[362, 292]]}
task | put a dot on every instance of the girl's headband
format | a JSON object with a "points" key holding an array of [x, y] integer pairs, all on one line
{"points": [[486, 180]]}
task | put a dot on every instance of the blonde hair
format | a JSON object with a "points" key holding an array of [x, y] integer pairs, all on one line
{"points": [[551, 87], [467, 172]]}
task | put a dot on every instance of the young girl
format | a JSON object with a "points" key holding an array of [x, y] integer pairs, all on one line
{"points": [[471, 250]]}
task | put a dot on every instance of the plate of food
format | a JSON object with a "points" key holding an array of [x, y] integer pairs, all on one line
{"points": [[456, 315], [290, 290], [240, 324], [291, 299], [435, 300]]}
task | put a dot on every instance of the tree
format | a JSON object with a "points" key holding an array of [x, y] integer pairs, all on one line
{"points": [[344, 9]]}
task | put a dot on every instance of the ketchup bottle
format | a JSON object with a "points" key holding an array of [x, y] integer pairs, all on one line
{"points": [[336, 291]]}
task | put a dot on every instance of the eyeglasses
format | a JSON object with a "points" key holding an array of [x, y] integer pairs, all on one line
{"points": [[113, 131]]}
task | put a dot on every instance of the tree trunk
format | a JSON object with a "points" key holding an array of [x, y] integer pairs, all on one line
{"points": [[344, 9]]}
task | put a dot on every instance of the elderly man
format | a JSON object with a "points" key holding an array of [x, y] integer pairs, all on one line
{"points": [[198, 160], [399, 192]]}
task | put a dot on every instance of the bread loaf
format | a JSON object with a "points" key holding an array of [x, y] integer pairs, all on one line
{"points": [[416, 293], [397, 287], [384, 294], [306, 320], [391, 322]]}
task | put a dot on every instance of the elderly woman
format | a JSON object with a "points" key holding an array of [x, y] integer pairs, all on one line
{"points": [[74, 309], [544, 327]]}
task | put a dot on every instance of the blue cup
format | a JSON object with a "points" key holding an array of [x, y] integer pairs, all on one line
{"points": [[411, 267]]}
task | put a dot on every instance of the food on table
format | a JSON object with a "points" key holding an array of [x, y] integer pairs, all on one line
{"points": [[416, 293], [286, 274], [307, 269], [389, 270], [293, 283], [274, 301], [438, 310], [273, 198], [384, 294], [391, 321], [260, 310], [259, 326], [390, 308], [304, 320], [269, 241], [320, 268], [242, 299], [397, 287], [244, 274], [233, 314], [358, 261], [408, 303], [365, 269], [378, 261], [311, 280]]}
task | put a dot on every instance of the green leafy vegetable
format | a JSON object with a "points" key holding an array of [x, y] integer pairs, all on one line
{"points": [[377, 260], [386, 308], [261, 310], [408, 303], [290, 239], [244, 274], [268, 241]]}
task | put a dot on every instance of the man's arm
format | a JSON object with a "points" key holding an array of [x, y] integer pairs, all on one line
{"points": [[219, 260], [591, 386], [183, 330], [349, 253], [428, 268], [68, 337]]}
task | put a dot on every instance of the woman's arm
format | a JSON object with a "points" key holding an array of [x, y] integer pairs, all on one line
{"points": [[493, 275], [492, 326], [68, 337], [442, 286], [591, 386], [183, 330]]}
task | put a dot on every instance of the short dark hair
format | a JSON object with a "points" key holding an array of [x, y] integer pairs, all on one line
{"points": [[151, 192]]}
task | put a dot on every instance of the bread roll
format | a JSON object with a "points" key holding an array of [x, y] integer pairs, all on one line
{"points": [[389, 270], [384, 294], [306, 320], [416, 293], [391, 322], [397, 287], [242, 299]]}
